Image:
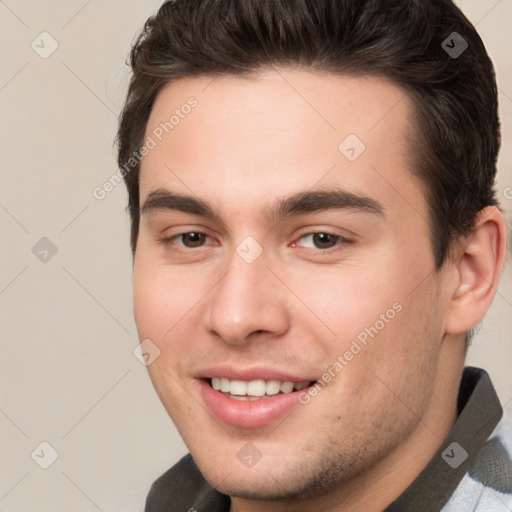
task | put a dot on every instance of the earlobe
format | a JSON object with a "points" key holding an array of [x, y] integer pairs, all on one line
{"points": [[478, 270]]}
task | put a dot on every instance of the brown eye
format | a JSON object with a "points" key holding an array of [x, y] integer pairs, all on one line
{"points": [[320, 240], [192, 239], [324, 240]]}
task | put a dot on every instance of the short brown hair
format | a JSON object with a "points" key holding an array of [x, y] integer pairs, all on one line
{"points": [[457, 136]]}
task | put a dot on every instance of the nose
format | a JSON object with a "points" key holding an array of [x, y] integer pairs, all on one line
{"points": [[249, 300]]}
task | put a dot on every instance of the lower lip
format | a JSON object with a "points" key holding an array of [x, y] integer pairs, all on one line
{"points": [[248, 414]]}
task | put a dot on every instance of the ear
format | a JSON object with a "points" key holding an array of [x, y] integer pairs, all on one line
{"points": [[477, 270]]}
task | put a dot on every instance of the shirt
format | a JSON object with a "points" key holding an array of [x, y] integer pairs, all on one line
{"points": [[471, 471]]}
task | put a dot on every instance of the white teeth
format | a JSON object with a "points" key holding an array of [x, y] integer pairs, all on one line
{"points": [[256, 388], [238, 387], [273, 387], [243, 390], [287, 387], [225, 384]]}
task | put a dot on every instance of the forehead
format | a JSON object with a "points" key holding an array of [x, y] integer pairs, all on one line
{"points": [[246, 141]]}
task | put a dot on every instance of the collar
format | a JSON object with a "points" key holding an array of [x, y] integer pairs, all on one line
{"points": [[479, 413]]}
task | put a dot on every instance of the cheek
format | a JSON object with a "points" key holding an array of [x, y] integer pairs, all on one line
{"points": [[161, 306], [159, 300], [149, 304], [381, 309], [342, 301], [168, 306]]}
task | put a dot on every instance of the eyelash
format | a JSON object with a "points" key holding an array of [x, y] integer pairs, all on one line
{"points": [[339, 239]]}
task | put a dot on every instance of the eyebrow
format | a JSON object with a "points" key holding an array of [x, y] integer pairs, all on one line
{"points": [[300, 203]]}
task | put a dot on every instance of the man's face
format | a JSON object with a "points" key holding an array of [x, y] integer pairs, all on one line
{"points": [[344, 295]]}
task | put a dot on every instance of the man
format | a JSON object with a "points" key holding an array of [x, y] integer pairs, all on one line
{"points": [[315, 235]]}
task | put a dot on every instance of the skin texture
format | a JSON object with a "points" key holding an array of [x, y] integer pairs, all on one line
{"points": [[249, 142]]}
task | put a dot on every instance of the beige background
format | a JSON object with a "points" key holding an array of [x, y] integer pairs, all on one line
{"points": [[67, 369]]}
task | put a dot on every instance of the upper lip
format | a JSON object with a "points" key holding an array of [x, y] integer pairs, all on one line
{"points": [[252, 373]]}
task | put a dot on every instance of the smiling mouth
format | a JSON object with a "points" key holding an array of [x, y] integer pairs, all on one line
{"points": [[255, 390]]}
